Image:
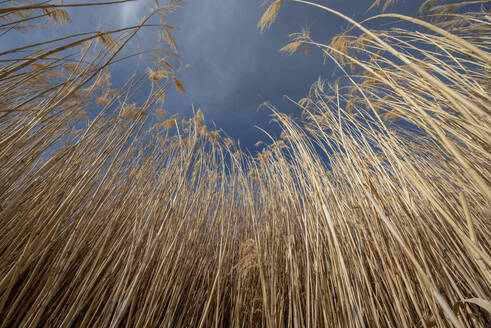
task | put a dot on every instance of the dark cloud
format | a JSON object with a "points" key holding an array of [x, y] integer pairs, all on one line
{"points": [[234, 68]]}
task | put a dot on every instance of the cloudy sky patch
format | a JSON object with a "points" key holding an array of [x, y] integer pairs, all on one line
{"points": [[233, 67]]}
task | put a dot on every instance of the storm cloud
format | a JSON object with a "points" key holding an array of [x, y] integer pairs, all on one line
{"points": [[233, 67]]}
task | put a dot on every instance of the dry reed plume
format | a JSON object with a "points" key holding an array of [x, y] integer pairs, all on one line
{"points": [[373, 210]]}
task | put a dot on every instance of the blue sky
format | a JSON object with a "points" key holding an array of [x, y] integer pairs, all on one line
{"points": [[233, 67]]}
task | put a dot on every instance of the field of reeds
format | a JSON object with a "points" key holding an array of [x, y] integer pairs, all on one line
{"points": [[372, 210]]}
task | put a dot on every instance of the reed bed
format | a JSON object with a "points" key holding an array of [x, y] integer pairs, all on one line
{"points": [[371, 210]]}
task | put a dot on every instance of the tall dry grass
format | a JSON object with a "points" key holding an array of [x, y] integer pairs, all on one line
{"points": [[373, 210]]}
